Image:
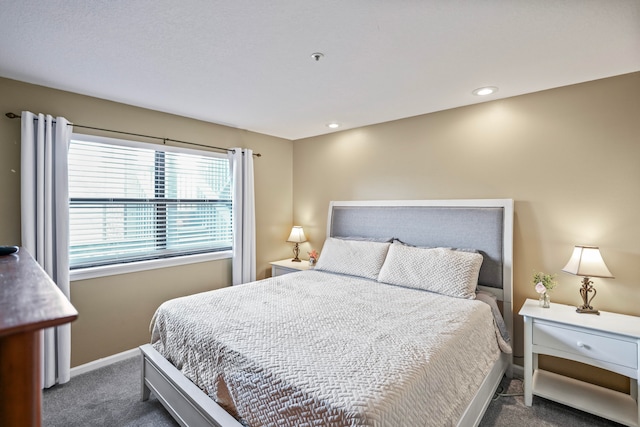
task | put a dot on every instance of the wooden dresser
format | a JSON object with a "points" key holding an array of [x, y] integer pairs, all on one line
{"points": [[29, 302]]}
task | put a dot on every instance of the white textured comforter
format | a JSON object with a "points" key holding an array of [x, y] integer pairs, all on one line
{"points": [[319, 349]]}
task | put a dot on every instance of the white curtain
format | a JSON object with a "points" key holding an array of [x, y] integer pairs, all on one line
{"points": [[45, 223], [244, 216]]}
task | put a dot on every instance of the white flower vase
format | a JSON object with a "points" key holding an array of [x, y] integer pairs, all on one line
{"points": [[545, 300]]}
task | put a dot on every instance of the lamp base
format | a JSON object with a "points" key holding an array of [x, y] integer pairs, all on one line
{"points": [[585, 290], [587, 310], [296, 252]]}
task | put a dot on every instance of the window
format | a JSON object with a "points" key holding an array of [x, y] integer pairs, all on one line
{"points": [[131, 202]]}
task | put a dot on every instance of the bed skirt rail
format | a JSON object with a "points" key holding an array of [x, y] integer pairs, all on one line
{"points": [[479, 404], [190, 406], [186, 403]]}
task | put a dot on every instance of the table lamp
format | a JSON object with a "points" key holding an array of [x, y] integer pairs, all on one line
{"points": [[586, 261], [297, 236]]}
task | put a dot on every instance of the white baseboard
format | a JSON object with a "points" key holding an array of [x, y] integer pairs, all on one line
{"points": [[91, 366], [518, 371]]}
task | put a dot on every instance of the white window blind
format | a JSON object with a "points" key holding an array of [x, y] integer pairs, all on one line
{"points": [[132, 202]]}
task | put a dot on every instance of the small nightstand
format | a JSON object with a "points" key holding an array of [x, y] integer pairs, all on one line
{"points": [[285, 266], [609, 341]]}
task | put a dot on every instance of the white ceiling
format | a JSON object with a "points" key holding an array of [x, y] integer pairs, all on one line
{"points": [[247, 63]]}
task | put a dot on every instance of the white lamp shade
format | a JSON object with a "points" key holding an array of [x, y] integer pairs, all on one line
{"points": [[297, 235], [586, 261]]}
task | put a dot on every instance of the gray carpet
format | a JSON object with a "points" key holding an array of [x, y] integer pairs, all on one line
{"points": [[511, 411], [110, 396]]}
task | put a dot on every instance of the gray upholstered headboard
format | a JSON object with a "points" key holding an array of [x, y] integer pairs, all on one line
{"points": [[483, 225]]}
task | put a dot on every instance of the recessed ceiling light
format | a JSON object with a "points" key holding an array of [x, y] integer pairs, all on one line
{"points": [[484, 91], [333, 125]]}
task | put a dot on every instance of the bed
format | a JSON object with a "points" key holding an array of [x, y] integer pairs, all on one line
{"points": [[357, 341]]}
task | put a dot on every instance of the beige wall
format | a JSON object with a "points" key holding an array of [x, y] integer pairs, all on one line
{"points": [[114, 312], [569, 157]]}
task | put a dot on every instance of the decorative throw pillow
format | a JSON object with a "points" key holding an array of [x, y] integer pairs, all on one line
{"points": [[352, 257], [441, 270]]}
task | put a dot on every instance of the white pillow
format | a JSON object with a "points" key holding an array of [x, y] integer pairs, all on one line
{"points": [[352, 257], [441, 270]]}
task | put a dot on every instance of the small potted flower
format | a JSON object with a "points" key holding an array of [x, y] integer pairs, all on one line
{"points": [[313, 257], [543, 283]]}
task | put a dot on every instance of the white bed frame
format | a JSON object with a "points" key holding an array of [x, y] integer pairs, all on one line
{"points": [[190, 406]]}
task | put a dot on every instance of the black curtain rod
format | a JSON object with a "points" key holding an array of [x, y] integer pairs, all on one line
{"points": [[164, 140]]}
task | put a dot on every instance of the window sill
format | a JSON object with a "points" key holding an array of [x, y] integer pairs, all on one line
{"points": [[132, 267]]}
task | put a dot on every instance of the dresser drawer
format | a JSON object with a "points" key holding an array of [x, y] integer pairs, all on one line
{"points": [[587, 344]]}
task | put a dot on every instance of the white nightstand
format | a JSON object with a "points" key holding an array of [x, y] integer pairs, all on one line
{"points": [[609, 341], [285, 266]]}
